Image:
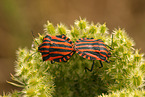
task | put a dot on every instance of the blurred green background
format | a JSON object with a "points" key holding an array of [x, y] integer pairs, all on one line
{"points": [[19, 17]]}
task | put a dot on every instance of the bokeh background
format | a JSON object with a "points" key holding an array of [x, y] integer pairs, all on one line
{"points": [[19, 17]]}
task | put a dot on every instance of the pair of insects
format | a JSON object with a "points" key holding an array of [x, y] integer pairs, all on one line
{"points": [[60, 49]]}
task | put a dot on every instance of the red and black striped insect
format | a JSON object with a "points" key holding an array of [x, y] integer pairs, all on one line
{"points": [[56, 48], [93, 50]]}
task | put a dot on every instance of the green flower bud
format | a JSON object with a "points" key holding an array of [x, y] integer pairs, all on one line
{"points": [[137, 80], [92, 29], [142, 67], [61, 29], [82, 24], [103, 28], [49, 28]]}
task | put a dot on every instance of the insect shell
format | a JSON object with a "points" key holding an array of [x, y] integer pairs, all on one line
{"points": [[56, 48], [92, 49]]}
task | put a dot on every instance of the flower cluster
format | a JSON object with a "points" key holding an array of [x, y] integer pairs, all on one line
{"points": [[124, 75]]}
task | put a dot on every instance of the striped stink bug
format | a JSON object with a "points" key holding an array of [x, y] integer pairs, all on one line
{"points": [[93, 50], [56, 48]]}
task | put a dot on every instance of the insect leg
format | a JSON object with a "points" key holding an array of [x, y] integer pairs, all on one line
{"points": [[52, 62], [108, 61], [109, 47], [101, 64], [91, 67]]}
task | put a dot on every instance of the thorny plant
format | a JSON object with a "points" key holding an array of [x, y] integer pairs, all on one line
{"points": [[124, 76]]}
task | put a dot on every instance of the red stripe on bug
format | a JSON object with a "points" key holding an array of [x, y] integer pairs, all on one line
{"points": [[64, 59], [60, 60], [52, 58], [45, 47], [90, 42], [46, 39], [97, 58], [68, 57], [45, 55], [91, 46], [82, 50], [66, 38], [57, 52], [71, 54], [63, 36], [45, 51], [61, 48], [69, 40], [46, 42], [80, 54], [53, 37], [63, 43], [84, 56]]}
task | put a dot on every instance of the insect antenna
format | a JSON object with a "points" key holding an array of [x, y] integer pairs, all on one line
{"points": [[31, 56], [112, 48], [36, 42], [111, 44], [34, 37]]}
